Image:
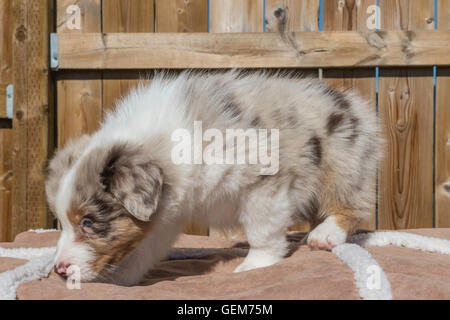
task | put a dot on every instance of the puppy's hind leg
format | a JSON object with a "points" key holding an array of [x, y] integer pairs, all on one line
{"points": [[343, 210], [265, 217]]}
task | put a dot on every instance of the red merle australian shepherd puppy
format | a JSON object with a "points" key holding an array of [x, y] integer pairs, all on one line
{"points": [[170, 153]]}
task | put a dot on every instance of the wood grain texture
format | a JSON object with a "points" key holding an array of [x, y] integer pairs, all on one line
{"points": [[292, 15], [443, 18], [2, 100], [6, 176], [407, 14], [128, 16], [443, 148], [181, 15], [406, 173], [253, 50], [350, 15], [90, 13], [6, 50], [347, 14], [236, 15], [124, 17], [442, 180], [79, 103], [32, 125], [406, 113], [79, 95], [6, 77]]}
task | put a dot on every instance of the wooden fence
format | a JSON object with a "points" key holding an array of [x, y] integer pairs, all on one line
{"points": [[104, 47], [6, 138]]}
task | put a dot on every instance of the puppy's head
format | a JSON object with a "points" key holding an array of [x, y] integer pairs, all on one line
{"points": [[104, 201]]}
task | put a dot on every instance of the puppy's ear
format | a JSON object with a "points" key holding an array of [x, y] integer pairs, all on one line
{"points": [[132, 180]]}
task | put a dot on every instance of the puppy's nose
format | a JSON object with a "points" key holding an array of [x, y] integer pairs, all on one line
{"points": [[61, 269]]}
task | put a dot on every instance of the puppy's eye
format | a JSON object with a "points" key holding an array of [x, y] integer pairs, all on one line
{"points": [[87, 223]]}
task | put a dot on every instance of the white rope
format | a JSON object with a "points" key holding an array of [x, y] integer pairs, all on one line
{"points": [[39, 266], [369, 277], [368, 274], [42, 230], [26, 253], [401, 239]]}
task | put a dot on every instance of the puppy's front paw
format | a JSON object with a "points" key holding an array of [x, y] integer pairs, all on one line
{"points": [[327, 235]]}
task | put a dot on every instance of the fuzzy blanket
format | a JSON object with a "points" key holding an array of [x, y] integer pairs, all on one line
{"points": [[201, 268]]}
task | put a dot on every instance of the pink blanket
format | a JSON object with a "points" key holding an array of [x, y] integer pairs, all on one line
{"points": [[204, 271]]}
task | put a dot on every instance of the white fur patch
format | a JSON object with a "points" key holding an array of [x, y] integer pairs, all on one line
{"points": [[258, 258], [68, 251]]}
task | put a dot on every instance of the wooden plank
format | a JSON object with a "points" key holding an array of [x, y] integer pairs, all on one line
{"points": [[79, 95], [181, 15], [442, 180], [284, 16], [407, 15], [347, 16], [79, 103], [128, 16], [6, 77], [406, 113], [88, 11], [32, 119], [253, 50], [292, 15], [443, 18], [236, 15], [442, 149], [125, 17], [6, 32], [6, 176], [406, 173]]}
